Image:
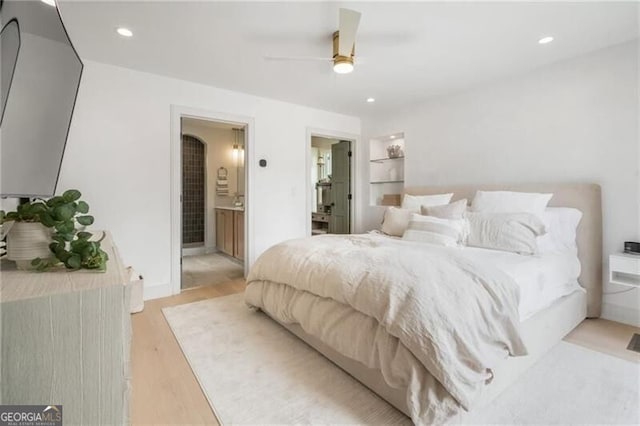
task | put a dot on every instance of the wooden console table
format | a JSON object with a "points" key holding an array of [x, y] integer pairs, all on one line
{"points": [[66, 340]]}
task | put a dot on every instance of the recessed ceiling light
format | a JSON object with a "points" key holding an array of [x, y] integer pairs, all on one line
{"points": [[371, 100], [545, 40], [49, 2], [124, 32], [393, 136]]}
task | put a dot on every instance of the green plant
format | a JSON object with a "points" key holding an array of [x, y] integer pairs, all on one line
{"points": [[67, 216], [27, 212]]}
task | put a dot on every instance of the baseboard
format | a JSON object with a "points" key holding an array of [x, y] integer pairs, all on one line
{"points": [[621, 314], [157, 291]]}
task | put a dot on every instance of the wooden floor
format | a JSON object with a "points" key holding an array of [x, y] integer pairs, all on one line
{"points": [[165, 391]]}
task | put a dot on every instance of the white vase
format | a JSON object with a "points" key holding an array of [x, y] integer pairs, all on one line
{"points": [[27, 241]]}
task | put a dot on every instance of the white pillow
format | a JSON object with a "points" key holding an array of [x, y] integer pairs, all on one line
{"points": [[515, 232], [413, 202], [395, 221], [434, 230], [454, 210], [562, 224], [510, 202]]}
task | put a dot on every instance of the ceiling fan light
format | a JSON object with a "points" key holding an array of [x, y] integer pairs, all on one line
{"points": [[342, 65]]}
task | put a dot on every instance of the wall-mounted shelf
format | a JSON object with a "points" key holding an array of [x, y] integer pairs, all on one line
{"points": [[386, 175], [386, 181], [384, 160], [624, 269]]}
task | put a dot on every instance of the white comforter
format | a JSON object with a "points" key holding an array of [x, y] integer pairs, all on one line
{"points": [[431, 319]]}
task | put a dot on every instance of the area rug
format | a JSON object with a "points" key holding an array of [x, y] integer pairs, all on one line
{"points": [[252, 370]]}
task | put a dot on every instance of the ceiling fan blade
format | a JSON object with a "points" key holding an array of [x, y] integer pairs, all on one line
{"points": [[296, 58], [348, 27]]}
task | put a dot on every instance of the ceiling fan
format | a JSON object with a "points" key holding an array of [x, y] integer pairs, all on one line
{"points": [[343, 44]]}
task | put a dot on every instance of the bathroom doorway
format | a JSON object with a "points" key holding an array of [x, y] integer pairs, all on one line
{"points": [[212, 202], [332, 190]]}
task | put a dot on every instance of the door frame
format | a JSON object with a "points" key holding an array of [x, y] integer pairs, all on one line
{"points": [[175, 205], [355, 199]]}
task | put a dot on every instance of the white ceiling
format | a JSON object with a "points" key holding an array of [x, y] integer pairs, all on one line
{"points": [[410, 50]]}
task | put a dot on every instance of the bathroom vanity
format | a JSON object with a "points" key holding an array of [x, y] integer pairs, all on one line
{"points": [[230, 231]]}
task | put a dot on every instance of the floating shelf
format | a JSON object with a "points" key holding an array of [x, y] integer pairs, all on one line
{"points": [[386, 181], [382, 160]]}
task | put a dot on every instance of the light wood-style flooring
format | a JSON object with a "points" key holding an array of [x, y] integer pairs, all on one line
{"points": [[165, 391]]}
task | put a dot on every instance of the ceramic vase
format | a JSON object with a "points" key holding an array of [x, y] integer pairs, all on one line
{"points": [[27, 241]]}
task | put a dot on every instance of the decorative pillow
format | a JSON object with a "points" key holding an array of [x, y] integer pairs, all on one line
{"points": [[515, 232], [413, 202], [510, 202], [562, 224], [395, 221], [454, 210], [434, 230]]}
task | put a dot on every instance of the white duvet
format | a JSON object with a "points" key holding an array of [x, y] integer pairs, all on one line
{"points": [[431, 319], [541, 279]]}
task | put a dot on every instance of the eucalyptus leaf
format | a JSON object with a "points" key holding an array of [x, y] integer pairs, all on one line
{"points": [[66, 227], [64, 212], [55, 201], [74, 262], [82, 207], [47, 220], [85, 220], [71, 195], [83, 235]]}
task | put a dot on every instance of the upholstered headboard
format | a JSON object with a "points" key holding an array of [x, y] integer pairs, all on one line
{"points": [[585, 197]]}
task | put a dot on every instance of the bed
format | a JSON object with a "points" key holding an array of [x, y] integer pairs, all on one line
{"points": [[422, 387]]}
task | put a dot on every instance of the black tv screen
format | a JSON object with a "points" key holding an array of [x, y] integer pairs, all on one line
{"points": [[40, 74]]}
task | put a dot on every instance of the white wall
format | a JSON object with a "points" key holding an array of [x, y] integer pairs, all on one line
{"points": [[576, 120], [118, 156]]}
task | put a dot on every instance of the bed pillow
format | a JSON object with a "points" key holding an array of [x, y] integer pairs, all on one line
{"points": [[510, 202], [514, 232], [454, 210], [562, 225], [413, 202], [395, 221], [434, 230]]}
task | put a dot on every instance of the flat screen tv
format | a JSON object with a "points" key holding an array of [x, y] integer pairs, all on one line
{"points": [[40, 74]]}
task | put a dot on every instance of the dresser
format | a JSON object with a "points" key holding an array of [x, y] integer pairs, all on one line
{"points": [[66, 340]]}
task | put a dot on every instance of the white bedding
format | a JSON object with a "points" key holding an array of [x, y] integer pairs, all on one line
{"points": [[401, 307], [542, 278]]}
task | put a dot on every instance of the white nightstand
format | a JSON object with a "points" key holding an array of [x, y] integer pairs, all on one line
{"points": [[624, 269]]}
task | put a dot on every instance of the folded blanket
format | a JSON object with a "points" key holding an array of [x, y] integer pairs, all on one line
{"points": [[456, 318]]}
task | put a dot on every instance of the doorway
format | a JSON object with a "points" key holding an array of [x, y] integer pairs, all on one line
{"points": [[213, 202], [332, 190]]}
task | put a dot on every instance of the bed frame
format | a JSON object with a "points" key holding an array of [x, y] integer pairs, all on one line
{"points": [[540, 332]]}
